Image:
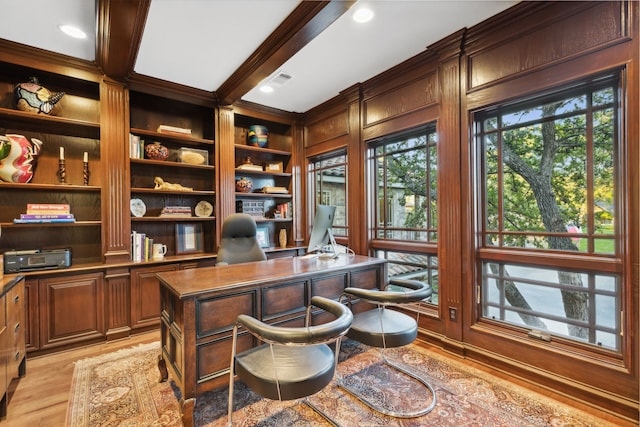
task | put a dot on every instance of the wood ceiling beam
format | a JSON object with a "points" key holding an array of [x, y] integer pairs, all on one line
{"points": [[306, 22], [119, 33]]}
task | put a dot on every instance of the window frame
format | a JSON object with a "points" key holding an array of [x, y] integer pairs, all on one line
{"points": [[379, 245], [312, 170], [607, 264]]}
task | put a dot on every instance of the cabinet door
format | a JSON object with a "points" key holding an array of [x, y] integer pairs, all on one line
{"points": [[145, 296], [71, 309]]}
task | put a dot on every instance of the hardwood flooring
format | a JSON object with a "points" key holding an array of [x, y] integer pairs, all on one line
{"points": [[40, 398]]}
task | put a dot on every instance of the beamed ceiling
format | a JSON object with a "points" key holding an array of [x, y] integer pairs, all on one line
{"points": [[223, 49]]}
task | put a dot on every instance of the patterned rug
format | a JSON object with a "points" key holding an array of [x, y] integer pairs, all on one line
{"points": [[122, 389]]}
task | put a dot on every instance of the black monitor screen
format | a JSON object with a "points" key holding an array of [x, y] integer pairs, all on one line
{"points": [[321, 227]]}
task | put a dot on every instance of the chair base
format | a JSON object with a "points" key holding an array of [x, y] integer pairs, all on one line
{"points": [[387, 411]]}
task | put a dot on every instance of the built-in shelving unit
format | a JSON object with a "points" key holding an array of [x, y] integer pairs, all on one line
{"points": [[147, 114], [74, 125], [275, 161]]}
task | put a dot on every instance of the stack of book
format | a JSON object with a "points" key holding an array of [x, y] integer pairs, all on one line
{"points": [[136, 147], [175, 211], [40, 213], [283, 210], [141, 247]]}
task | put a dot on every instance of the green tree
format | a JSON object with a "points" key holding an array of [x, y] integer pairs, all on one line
{"points": [[545, 183]]}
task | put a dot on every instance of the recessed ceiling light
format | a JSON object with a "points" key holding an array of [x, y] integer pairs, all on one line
{"points": [[72, 31], [362, 15], [266, 89]]}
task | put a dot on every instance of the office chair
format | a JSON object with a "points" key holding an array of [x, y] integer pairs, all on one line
{"points": [[238, 242], [293, 362], [383, 328]]}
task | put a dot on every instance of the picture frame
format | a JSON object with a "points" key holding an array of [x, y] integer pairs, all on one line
{"points": [[274, 167], [262, 234], [188, 238]]}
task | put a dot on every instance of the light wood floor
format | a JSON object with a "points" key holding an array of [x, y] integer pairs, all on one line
{"points": [[41, 397]]}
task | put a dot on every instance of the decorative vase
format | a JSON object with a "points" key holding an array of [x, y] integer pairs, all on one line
{"points": [[282, 238], [18, 158], [156, 151], [244, 185], [33, 97], [258, 136]]}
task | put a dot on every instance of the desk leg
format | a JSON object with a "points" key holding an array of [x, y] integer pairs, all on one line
{"points": [[186, 409], [162, 367]]}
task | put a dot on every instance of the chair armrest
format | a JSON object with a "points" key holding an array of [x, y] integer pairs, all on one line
{"points": [[316, 334], [417, 291]]}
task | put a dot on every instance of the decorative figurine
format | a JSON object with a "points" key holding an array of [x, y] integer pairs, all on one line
{"points": [[162, 185], [258, 136], [34, 98], [86, 173], [18, 157]]}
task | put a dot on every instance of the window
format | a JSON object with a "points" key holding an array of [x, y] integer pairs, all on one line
{"points": [[404, 210], [328, 181], [405, 168], [550, 184]]}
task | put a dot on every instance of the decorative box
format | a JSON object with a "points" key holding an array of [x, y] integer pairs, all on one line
{"points": [[193, 156]]}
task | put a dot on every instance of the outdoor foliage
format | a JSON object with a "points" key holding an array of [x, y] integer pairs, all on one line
{"points": [[549, 169]]}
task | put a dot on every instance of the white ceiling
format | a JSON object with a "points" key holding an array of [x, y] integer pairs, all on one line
{"points": [[200, 43]]}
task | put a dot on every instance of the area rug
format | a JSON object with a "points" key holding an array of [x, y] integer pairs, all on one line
{"points": [[122, 389]]}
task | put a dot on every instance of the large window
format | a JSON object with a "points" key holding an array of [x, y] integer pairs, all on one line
{"points": [[550, 211], [406, 181], [328, 180], [403, 183]]}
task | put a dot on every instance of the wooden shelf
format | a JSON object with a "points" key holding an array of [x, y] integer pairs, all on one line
{"points": [[258, 219], [172, 137], [165, 163], [185, 193], [261, 173], [172, 218], [48, 187], [265, 195], [50, 124], [252, 149], [53, 224]]}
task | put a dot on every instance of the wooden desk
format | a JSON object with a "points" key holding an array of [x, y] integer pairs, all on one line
{"points": [[199, 308]]}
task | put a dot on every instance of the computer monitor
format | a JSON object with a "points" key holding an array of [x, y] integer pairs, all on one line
{"points": [[321, 234]]}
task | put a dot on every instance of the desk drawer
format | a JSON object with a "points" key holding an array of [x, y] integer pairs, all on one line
{"points": [[218, 314]]}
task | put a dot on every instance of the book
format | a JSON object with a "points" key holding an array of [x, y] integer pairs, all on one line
{"points": [[42, 221], [46, 208], [46, 216], [173, 129], [176, 211], [135, 147]]}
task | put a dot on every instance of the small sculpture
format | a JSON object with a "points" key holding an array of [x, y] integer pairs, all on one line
{"points": [[18, 157], [161, 185], [34, 98]]}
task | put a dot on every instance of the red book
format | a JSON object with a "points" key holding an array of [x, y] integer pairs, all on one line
{"points": [[49, 206]]}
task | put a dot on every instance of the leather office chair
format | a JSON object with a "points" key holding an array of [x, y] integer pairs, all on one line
{"points": [[238, 242], [383, 328], [293, 362]]}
